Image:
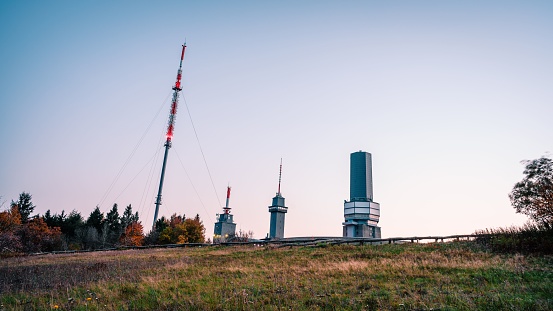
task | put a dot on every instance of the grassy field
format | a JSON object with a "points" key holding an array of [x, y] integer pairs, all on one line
{"points": [[440, 276]]}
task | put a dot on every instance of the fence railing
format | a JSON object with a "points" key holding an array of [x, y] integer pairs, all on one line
{"points": [[298, 241]]}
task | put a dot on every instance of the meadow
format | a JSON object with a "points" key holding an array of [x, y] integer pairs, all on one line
{"points": [[435, 276]]}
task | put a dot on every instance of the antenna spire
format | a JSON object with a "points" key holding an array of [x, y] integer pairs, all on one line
{"points": [[226, 209], [279, 176], [170, 128]]}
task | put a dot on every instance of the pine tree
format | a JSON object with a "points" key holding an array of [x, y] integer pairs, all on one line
{"points": [[113, 222], [25, 206], [95, 219]]}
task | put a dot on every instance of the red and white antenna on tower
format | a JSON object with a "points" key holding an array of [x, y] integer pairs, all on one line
{"points": [[226, 209], [170, 128]]}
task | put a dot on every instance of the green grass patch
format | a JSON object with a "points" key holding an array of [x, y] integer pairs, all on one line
{"points": [[439, 276]]}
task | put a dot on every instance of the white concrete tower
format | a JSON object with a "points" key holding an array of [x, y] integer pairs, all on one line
{"points": [[361, 213]]}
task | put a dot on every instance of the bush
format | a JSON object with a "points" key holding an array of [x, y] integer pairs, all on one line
{"points": [[530, 238]]}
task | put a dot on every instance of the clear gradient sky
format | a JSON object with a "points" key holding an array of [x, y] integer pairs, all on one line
{"points": [[448, 96]]}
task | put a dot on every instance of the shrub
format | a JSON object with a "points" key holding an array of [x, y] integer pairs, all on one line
{"points": [[530, 238]]}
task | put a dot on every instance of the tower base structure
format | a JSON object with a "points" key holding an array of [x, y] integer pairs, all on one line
{"points": [[224, 229], [361, 220], [278, 213], [357, 230]]}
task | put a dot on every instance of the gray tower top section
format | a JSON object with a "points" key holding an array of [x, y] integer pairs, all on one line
{"points": [[278, 200], [278, 204], [361, 178]]}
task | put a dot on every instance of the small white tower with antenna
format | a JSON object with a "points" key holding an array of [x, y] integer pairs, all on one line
{"points": [[278, 212], [225, 228]]}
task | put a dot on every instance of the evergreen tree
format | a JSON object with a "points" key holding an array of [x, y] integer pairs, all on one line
{"points": [[127, 217], [48, 218], [113, 223], [161, 224], [25, 206], [113, 220], [95, 220], [70, 224]]}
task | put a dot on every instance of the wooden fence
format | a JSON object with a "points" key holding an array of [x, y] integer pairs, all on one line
{"points": [[299, 241]]}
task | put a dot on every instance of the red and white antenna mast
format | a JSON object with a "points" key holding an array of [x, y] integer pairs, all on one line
{"points": [[170, 128], [226, 209]]}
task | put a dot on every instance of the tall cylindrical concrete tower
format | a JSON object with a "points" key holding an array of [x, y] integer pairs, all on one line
{"points": [[361, 177], [361, 213]]}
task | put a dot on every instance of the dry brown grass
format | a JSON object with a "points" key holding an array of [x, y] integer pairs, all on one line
{"points": [[399, 277]]}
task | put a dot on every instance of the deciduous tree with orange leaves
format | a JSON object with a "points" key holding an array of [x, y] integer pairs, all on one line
{"points": [[179, 230], [10, 219], [38, 237], [134, 235]]}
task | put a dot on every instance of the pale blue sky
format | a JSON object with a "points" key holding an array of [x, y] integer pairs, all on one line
{"points": [[448, 96]]}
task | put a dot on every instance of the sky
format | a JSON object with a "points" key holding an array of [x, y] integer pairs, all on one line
{"points": [[448, 96]]}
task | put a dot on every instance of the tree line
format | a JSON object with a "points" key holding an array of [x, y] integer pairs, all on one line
{"points": [[22, 233]]}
